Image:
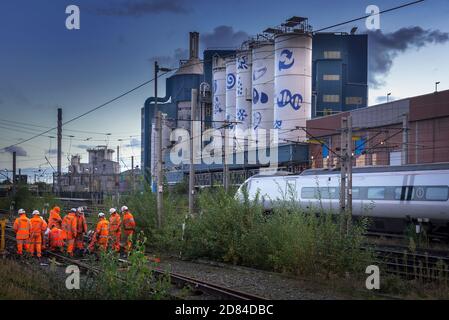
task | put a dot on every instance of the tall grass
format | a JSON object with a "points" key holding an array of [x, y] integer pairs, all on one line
{"points": [[290, 239]]}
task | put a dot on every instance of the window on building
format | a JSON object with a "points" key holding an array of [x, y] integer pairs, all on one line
{"points": [[332, 55], [331, 77], [354, 100], [208, 110], [331, 98]]}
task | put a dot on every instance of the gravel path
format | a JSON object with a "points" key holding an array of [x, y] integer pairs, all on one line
{"points": [[262, 283]]}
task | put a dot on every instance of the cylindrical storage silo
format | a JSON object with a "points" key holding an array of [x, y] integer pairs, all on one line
{"points": [[293, 84], [219, 91], [243, 90], [263, 86], [230, 90]]}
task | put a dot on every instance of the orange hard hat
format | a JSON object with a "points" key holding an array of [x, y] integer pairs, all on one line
{"points": [[57, 209]]}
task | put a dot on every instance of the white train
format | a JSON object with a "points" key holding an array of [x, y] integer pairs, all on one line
{"points": [[393, 196]]}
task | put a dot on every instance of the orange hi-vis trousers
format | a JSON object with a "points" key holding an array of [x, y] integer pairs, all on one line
{"points": [[70, 246], [36, 244], [79, 241], [115, 240], [128, 243], [22, 244]]}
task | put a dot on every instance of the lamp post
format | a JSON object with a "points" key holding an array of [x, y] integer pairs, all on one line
{"points": [[388, 96], [436, 86]]}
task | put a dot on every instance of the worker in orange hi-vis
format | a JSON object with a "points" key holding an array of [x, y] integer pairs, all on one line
{"points": [[101, 234], [22, 228], [56, 239], [69, 229], [129, 226], [55, 218], [115, 224], [38, 226], [81, 230]]}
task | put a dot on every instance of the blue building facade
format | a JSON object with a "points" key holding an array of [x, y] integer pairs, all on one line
{"points": [[339, 73]]}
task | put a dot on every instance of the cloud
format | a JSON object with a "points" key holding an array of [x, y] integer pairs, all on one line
{"points": [[224, 37], [171, 61], [53, 152], [144, 7], [20, 152], [384, 48], [133, 143], [83, 146], [383, 99]]}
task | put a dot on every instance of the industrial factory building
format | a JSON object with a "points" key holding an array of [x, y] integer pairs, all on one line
{"points": [[99, 175], [407, 131], [278, 79]]}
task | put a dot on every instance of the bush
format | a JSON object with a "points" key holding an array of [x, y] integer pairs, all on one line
{"points": [[289, 240], [135, 280]]}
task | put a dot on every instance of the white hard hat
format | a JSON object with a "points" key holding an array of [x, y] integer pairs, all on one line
{"points": [[80, 209], [35, 212], [112, 210], [73, 210], [124, 208], [101, 214], [21, 211]]}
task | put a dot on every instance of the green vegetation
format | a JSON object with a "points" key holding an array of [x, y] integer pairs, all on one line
{"points": [[289, 240], [130, 281], [25, 199], [22, 281]]}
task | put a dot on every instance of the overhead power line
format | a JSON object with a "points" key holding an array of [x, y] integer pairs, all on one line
{"points": [[175, 69]]}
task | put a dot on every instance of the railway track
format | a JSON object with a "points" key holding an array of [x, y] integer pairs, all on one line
{"points": [[211, 289], [424, 265]]}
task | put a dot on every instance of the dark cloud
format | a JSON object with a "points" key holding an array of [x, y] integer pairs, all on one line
{"points": [[171, 61], [20, 152], [224, 37], [144, 7], [384, 48]]}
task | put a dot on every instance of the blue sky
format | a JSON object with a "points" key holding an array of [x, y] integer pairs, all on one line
{"points": [[43, 65]]}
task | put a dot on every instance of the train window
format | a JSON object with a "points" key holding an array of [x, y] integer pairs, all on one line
{"points": [[437, 193], [328, 193], [355, 193], [308, 193], [376, 193]]}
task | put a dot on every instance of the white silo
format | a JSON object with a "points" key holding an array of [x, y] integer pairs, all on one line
{"points": [[230, 90], [243, 90], [293, 84], [219, 91], [263, 85]]}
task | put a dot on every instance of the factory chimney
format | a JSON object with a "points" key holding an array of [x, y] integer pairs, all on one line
{"points": [[194, 45]]}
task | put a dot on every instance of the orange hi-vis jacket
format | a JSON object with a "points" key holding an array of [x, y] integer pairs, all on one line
{"points": [[55, 218], [128, 222], [22, 227], [69, 226], [102, 230], [115, 223], [81, 225], [38, 225], [56, 238]]}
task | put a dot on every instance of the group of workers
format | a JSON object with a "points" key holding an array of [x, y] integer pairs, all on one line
{"points": [[67, 234]]}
